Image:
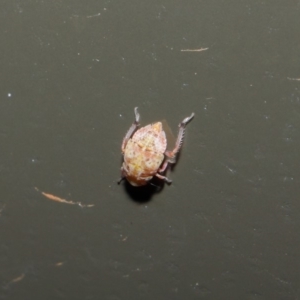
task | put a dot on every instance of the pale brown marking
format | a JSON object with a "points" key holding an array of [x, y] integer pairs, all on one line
{"points": [[61, 200], [17, 279]]}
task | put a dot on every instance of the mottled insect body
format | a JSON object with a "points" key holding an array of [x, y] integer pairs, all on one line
{"points": [[145, 154]]}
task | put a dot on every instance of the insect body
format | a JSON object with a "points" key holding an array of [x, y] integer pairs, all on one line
{"points": [[145, 154]]}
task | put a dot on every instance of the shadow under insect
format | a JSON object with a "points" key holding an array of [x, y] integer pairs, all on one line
{"points": [[144, 193]]}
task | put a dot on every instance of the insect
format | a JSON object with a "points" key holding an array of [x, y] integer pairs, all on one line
{"points": [[145, 154]]}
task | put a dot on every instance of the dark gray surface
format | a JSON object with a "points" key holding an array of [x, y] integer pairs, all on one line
{"points": [[72, 72]]}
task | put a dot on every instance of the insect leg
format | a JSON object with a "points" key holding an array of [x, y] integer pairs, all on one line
{"points": [[132, 129], [163, 167], [123, 175], [172, 154], [166, 179], [120, 180]]}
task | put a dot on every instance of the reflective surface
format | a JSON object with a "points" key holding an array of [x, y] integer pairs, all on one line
{"points": [[71, 74]]}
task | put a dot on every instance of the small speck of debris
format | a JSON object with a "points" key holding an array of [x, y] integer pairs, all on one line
{"points": [[296, 79], [92, 16], [2, 208], [194, 50]]}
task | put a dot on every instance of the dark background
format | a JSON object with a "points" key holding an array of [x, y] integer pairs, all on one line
{"points": [[72, 72]]}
